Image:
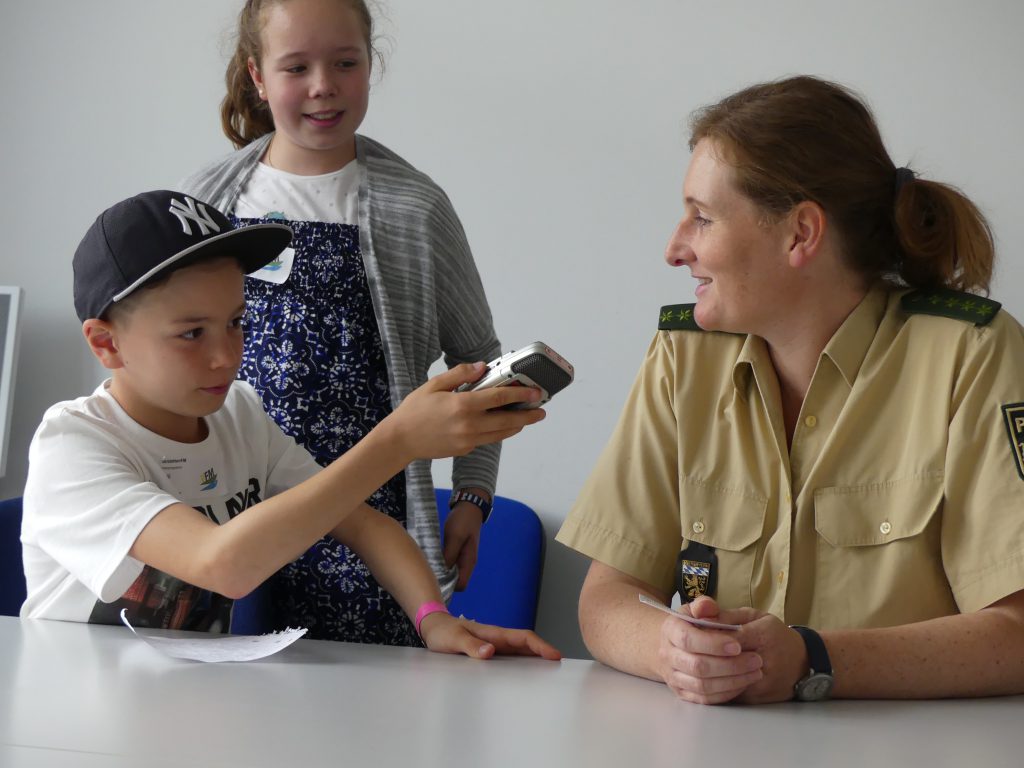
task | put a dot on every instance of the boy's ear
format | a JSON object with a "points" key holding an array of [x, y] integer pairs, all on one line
{"points": [[102, 340], [808, 223]]}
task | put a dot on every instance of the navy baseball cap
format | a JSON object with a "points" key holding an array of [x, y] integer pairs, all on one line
{"points": [[145, 237]]}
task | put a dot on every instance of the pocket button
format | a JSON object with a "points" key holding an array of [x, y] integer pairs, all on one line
{"points": [[698, 527], [885, 528]]}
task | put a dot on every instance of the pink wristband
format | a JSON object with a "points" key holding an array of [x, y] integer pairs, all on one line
{"points": [[425, 610]]}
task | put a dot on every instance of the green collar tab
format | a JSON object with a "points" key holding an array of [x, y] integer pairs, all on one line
{"points": [[677, 317], [955, 304]]}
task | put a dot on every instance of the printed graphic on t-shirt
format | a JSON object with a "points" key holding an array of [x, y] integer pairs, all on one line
{"points": [[208, 481], [157, 599]]}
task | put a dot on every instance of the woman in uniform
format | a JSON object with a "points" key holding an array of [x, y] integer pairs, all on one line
{"points": [[825, 450]]}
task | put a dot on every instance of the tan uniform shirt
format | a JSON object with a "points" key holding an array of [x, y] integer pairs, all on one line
{"points": [[901, 498]]}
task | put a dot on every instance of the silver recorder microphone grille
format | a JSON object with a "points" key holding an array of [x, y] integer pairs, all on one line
{"points": [[548, 375]]}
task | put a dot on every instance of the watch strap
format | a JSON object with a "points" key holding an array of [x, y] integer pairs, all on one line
{"points": [[817, 654], [473, 498]]}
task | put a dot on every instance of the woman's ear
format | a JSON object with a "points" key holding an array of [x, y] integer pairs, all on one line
{"points": [[101, 337], [808, 223], [257, 78]]}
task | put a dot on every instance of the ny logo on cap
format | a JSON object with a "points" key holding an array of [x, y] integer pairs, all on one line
{"points": [[190, 209]]}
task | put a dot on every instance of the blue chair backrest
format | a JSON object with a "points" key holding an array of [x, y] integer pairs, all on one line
{"points": [[254, 613], [505, 584], [12, 573]]}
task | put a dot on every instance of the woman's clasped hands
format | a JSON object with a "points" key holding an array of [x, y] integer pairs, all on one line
{"points": [[758, 663]]}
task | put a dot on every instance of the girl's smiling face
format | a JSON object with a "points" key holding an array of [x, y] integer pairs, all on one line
{"points": [[314, 75]]}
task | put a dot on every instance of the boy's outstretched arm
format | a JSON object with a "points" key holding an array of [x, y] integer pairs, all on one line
{"points": [[234, 558]]}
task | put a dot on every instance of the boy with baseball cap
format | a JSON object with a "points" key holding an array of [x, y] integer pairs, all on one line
{"points": [[136, 493]]}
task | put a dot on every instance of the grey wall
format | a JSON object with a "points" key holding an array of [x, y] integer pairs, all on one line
{"points": [[557, 128]]}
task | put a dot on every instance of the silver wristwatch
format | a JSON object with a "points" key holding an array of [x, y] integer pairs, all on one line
{"points": [[817, 685]]}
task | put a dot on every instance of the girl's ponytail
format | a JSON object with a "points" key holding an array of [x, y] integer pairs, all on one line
{"points": [[244, 116]]}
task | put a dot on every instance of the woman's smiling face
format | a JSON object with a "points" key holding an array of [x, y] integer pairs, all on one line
{"points": [[737, 256]]}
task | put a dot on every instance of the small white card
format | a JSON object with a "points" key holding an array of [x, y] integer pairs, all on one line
{"points": [[220, 647], [696, 622], [278, 270]]}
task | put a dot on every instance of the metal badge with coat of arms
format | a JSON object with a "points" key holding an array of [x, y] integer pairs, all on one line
{"points": [[696, 572]]}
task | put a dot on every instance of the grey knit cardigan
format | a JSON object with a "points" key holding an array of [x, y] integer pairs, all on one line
{"points": [[427, 297]]}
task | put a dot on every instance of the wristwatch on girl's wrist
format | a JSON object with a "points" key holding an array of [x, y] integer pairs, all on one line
{"points": [[473, 498], [817, 685]]}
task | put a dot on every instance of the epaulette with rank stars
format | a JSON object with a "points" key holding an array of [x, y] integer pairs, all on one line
{"points": [[677, 317], [955, 304]]}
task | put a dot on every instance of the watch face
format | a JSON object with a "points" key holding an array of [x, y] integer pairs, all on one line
{"points": [[815, 687]]}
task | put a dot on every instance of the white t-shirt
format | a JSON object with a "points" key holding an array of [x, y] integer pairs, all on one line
{"points": [[96, 478], [270, 193]]}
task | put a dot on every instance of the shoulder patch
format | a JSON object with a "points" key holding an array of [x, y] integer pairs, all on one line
{"points": [[1013, 413], [955, 304], [677, 317]]}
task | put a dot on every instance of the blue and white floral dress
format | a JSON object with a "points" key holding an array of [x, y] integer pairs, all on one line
{"points": [[314, 354]]}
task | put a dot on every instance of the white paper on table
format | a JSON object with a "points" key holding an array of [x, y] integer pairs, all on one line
{"points": [[705, 623], [220, 647]]}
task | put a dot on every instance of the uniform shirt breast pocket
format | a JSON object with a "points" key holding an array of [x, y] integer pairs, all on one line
{"points": [[879, 555], [721, 528]]}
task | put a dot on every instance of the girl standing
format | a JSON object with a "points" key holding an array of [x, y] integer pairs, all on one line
{"points": [[379, 283]]}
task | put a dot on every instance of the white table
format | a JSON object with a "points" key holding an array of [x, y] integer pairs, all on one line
{"points": [[83, 696]]}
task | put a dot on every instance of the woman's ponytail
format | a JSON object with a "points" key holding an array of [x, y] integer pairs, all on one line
{"points": [[944, 239]]}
